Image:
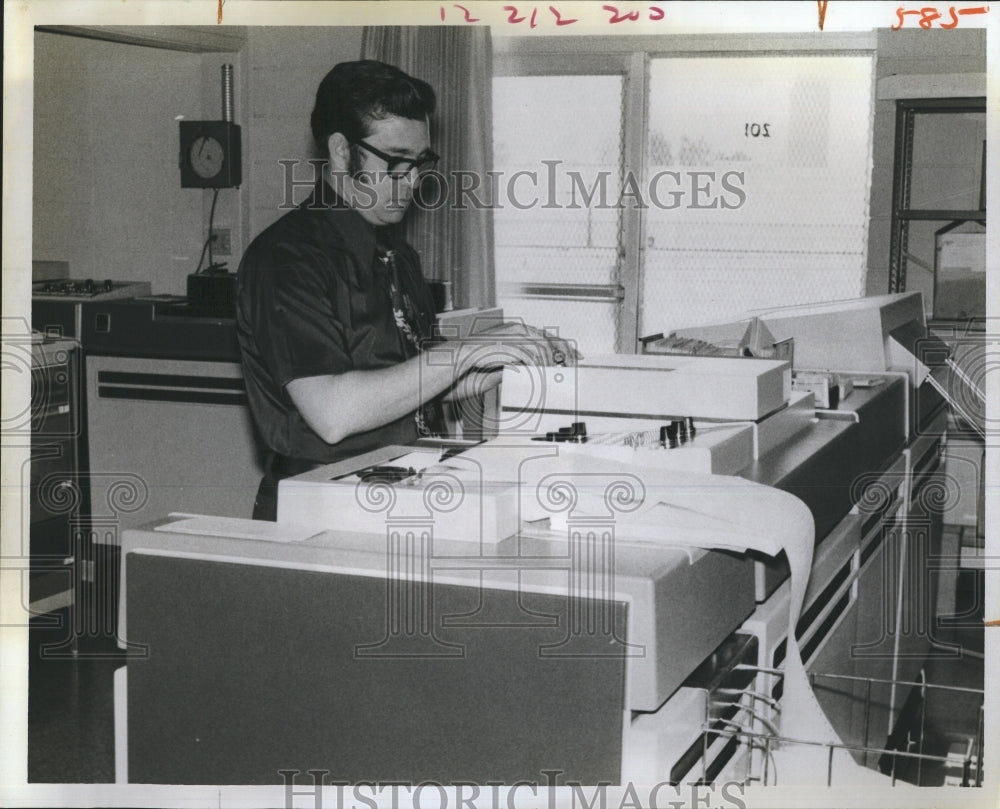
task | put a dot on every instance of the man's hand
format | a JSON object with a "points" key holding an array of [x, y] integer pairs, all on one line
{"points": [[475, 384], [517, 343]]}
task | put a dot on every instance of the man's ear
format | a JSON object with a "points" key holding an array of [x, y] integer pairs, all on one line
{"points": [[340, 152]]}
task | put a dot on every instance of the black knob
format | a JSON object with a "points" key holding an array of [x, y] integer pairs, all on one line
{"points": [[670, 431], [88, 286], [108, 285]]}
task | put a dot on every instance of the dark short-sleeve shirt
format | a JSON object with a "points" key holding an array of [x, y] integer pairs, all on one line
{"points": [[313, 300]]}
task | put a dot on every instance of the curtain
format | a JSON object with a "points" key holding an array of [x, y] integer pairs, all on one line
{"points": [[454, 245]]}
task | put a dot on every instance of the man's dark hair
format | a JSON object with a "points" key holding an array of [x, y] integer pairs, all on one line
{"points": [[354, 94]]}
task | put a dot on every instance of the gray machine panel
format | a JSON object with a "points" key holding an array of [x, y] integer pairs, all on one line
{"points": [[240, 671], [677, 616]]}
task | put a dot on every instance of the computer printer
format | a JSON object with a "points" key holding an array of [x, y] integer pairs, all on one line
{"points": [[459, 559]]}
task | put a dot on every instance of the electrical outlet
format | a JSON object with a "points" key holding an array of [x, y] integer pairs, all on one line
{"points": [[222, 242]]}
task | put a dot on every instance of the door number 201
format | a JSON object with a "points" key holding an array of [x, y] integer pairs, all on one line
{"points": [[756, 130]]}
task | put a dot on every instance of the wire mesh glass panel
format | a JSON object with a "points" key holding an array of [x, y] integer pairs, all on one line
{"points": [[557, 149], [758, 176]]}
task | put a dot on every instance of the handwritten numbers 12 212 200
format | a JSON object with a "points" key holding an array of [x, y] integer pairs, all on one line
{"points": [[756, 130], [531, 15]]}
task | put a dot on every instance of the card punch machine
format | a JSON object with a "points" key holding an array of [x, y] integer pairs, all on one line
{"points": [[681, 414]]}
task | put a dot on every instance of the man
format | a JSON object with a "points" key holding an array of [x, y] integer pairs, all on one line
{"points": [[332, 305]]}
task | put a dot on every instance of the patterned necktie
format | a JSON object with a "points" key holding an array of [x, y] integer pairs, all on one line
{"points": [[430, 417], [403, 310]]}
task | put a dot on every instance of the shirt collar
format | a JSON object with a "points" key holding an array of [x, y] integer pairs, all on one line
{"points": [[358, 235]]}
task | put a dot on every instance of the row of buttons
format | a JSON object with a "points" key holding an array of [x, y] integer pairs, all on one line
{"points": [[88, 287], [673, 434]]}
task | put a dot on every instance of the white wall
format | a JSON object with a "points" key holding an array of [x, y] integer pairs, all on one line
{"points": [[284, 66], [107, 195]]}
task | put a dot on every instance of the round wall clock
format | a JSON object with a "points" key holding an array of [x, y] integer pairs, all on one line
{"points": [[210, 154]]}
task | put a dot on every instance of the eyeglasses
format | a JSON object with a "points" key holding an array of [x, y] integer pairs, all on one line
{"points": [[396, 166]]}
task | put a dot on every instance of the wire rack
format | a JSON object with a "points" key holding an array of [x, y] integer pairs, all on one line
{"points": [[753, 719]]}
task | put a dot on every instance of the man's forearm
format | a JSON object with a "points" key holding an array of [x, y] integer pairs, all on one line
{"points": [[336, 406]]}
